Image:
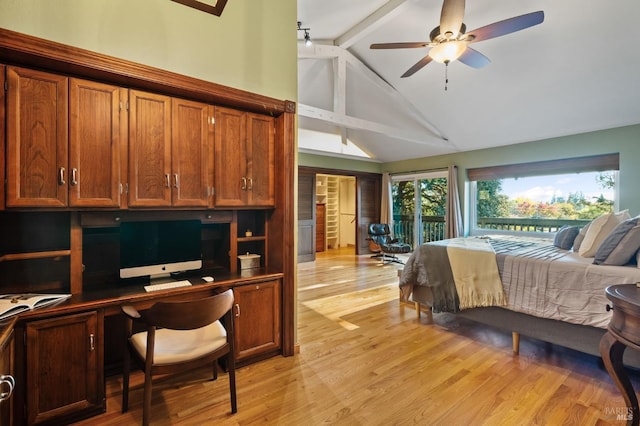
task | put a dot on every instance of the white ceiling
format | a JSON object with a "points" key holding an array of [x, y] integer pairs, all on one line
{"points": [[576, 72]]}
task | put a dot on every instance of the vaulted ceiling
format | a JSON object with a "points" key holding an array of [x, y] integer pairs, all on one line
{"points": [[575, 72]]}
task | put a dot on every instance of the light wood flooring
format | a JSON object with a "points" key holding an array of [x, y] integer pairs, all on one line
{"points": [[366, 360]]}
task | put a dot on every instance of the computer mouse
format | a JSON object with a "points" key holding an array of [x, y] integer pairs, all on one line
{"points": [[208, 279]]}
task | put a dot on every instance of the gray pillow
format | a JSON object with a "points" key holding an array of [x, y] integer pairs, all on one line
{"points": [[580, 237], [565, 237], [621, 244]]}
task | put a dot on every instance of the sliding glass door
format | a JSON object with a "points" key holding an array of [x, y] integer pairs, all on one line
{"points": [[419, 206]]}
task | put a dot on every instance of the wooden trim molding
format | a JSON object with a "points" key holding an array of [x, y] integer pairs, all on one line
{"points": [[338, 172], [214, 10], [25, 50]]}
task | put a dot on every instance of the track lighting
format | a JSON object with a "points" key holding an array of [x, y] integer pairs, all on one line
{"points": [[307, 36]]}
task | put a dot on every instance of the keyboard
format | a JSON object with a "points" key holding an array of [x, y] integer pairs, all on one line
{"points": [[166, 286]]}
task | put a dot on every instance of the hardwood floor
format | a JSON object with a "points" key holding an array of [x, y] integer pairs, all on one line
{"points": [[366, 360]]}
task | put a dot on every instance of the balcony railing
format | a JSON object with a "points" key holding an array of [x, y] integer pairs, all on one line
{"points": [[433, 228], [527, 224]]}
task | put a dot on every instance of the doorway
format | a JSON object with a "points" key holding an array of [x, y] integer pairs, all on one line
{"points": [[334, 210], [419, 207]]}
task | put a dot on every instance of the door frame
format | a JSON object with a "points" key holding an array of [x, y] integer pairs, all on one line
{"points": [[359, 177]]}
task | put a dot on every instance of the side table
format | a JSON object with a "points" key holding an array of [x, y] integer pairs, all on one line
{"points": [[623, 332]]}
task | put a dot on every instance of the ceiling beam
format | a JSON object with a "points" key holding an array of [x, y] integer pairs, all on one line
{"points": [[371, 22], [341, 57], [354, 123], [340, 84]]}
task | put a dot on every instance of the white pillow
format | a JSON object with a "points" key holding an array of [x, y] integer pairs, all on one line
{"points": [[599, 230]]}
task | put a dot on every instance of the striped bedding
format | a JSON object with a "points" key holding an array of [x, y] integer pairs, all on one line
{"points": [[538, 279]]}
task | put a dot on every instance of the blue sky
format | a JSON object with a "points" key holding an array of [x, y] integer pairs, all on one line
{"points": [[543, 188]]}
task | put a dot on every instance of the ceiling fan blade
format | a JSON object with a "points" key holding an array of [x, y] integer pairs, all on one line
{"points": [[451, 16], [403, 45], [507, 26], [473, 58], [417, 66]]}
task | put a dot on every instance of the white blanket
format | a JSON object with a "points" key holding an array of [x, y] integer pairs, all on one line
{"points": [[475, 273]]}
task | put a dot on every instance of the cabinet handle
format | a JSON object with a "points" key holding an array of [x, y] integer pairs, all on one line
{"points": [[244, 183], [74, 176], [175, 180], [10, 382], [61, 176], [237, 310], [250, 184], [92, 342], [168, 180]]}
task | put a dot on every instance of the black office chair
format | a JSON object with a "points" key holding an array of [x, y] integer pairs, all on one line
{"points": [[384, 245]]}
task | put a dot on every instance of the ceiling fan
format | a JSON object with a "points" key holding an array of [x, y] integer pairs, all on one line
{"points": [[449, 40]]}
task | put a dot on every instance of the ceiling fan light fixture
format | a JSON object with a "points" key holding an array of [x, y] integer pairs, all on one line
{"points": [[448, 51]]}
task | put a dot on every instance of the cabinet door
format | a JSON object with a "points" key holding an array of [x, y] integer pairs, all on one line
{"points": [[257, 319], [2, 134], [190, 145], [230, 158], [149, 150], [95, 138], [65, 377], [37, 139], [6, 369], [261, 160]]}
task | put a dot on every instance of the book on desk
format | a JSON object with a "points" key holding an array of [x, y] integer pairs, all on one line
{"points": [[14, 304]]}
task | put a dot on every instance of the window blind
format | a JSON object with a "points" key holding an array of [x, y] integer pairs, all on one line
{"points": [[595, 163]]}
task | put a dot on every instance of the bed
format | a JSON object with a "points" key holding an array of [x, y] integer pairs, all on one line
{"points": [[528, 286]]}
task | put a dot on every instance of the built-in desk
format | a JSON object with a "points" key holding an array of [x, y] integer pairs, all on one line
{"points": [[59, 238], [63, 351]]}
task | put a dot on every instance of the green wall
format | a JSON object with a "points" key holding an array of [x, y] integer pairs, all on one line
{"points": [[624, 140], [251, 46]]}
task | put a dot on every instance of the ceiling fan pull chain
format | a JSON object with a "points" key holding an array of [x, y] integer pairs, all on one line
{"points": [[446, 75]]}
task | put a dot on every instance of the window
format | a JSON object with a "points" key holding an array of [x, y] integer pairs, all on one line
{"points": [[541, 197]]}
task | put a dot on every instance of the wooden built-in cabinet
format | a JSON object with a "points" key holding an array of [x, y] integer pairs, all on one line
{"points": [[64, 368], [97, 142], [87, 140], [64, 139], [257, 319], [2, 135], [37, 138], [192, 153], [169, 151], [7, 378], [244, 159]]}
